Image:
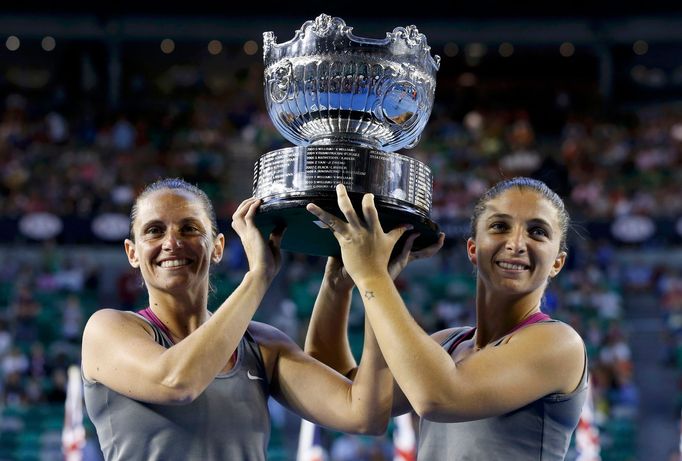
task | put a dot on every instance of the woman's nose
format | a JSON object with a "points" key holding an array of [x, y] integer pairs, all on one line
{"points": [[172, 241], [516, 243]]}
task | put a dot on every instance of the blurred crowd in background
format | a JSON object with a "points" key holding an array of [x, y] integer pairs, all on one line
{"points": [[96, 163], [71, 158]]}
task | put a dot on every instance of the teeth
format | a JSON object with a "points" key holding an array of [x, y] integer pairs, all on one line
{"points": [[174, 263], [514, 267]]}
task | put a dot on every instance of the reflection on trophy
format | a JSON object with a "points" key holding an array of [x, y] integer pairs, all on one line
{"points": [[347, 103]]}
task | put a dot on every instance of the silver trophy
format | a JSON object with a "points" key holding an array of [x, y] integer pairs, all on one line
{"points": [[347, 103]]}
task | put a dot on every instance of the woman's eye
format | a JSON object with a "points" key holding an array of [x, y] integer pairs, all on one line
{"points": [[498, 226], [539, 231], [152, 230]]}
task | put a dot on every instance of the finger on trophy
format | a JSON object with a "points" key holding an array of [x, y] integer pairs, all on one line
{"points": [[252, 209], [276, 236], [431, 249], [346, 206], [370, 213], [242, 207], [328, 219], [406, 249], [239, 216]]}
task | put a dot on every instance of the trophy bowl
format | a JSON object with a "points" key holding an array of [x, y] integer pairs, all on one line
{"points": [[347, 103]]}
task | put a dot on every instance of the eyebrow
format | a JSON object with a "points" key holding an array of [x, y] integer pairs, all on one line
{"points": [[150, 222], [507, 216], [188, 220]]}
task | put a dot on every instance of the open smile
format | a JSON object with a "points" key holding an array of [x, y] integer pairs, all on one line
{"points": [[173, 263], [512, 266]]}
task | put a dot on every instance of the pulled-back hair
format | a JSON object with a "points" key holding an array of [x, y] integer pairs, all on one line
{"points": [[175, 184], [524, 183]]}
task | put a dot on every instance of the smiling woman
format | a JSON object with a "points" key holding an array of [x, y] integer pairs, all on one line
{"points": [[177, 238], [173, 381], [518, 233], [513, 386]]}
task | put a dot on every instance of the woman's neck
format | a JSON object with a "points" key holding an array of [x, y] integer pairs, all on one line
{"points": [[497, 316], [181, 315]]}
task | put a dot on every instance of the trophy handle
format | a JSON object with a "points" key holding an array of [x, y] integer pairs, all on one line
{"points": [[280, 85], [414, 142]]}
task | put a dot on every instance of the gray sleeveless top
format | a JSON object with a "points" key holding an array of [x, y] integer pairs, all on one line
{"points": [[539, 431], [228, 421]]}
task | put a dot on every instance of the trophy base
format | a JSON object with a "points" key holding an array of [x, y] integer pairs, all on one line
{"points": [[306, 234]]}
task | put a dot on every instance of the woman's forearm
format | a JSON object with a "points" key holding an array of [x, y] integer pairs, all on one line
{"points": [[327, 337], [416, 361], [194, 362]]}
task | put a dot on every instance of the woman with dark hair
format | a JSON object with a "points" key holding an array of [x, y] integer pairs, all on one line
{"points": [[513, 386], [175, 381]]}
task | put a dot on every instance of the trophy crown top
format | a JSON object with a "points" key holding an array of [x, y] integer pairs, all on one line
{"points": [[339, 37]]}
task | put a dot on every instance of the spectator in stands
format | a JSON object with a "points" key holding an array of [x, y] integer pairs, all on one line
{"points": [[515, 384], [57, 391], [129, 286]]}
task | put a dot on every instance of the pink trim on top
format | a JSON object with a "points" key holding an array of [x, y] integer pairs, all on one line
{"points": [[535, 318], [149, 314]]}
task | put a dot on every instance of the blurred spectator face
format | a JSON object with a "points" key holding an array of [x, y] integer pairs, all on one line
{"points": [[522, 134]]}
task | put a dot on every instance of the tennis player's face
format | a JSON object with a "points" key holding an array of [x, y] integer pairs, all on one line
{"points": [[517, 242], [173, 245]]}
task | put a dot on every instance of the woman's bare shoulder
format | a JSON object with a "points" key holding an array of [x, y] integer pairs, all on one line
{"points": [[551, 345], [548, 333], [106, 319], [267, 335]]}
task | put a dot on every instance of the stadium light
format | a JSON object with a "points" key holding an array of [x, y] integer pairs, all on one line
{"points": [[215, 47], [167, 45], [48, 43], [250, 47], [12, 43], [567, 49]]}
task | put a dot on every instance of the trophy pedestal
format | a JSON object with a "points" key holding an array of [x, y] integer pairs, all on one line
{"points": [[306, 234], [288, 179]]}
